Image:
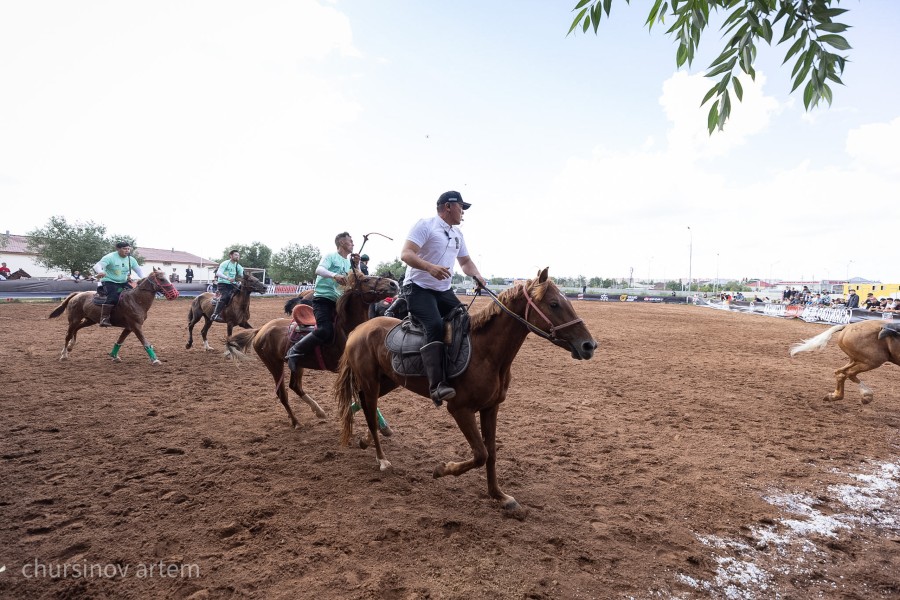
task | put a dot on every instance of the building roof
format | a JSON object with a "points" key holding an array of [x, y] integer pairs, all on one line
{"points": [[18, 244]]}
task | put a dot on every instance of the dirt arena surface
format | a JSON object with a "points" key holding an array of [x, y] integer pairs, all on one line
{"points": [[691, 458]]}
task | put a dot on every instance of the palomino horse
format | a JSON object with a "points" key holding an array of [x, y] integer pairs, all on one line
{"points": [[271, 340], [236, 313], [497, 333], [860, 342], [129, 313], [19, 274]]}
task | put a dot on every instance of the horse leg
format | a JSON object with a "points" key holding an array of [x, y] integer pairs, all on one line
{"points": [[118, 345], [203, 332], [466, 422], [370, 410], [72, 336], [841, 377], [296, 384], [192, 320], [138, 332], [867, 394], [489, 433]]}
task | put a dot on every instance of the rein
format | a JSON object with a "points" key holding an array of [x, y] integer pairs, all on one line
{"points": [[551, 335]]}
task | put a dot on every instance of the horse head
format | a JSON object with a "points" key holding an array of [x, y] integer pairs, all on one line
{"points": [[371, 288], [253, 284], [549, 314], [19, 274], [161, 285]]}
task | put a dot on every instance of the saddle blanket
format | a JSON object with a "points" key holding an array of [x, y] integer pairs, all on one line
{"points": [[405, 341]]}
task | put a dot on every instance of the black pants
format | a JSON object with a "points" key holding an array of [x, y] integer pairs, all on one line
{"points": [[188, 278], [324, 309], [430, 307], [113, 291], [226, 291]]}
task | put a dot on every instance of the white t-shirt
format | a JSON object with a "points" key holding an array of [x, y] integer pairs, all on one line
{"points": [[438, 243]]}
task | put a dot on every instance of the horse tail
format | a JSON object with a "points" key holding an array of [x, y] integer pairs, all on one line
{"points": [[344, 393], [236, 345], [818, 342], [62, 307]]}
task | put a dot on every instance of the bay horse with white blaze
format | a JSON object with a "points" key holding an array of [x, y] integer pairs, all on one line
{"points": [[865, 346], [271, 341], [129, 314], [237, 313], [18, 274], [497, 333]]}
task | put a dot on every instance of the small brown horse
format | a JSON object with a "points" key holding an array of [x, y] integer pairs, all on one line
{"points": [[860, 342], [129, 313], [497, 333], [236, 313], [271, 340], [19, 274]]}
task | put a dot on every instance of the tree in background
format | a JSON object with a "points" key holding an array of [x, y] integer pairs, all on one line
{"points": [[295, 263], [808, 23], [73, 247], [256, 256], [394, 269]]}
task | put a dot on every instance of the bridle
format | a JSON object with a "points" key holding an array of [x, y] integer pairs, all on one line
{"points": [[167, 289], [547, 335], [368, 296]]}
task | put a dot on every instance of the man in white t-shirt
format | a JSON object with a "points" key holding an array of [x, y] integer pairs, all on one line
{"points": [[431, 249]]}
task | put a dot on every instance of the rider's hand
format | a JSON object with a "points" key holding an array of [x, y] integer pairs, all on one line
{"points": [[340, 279], [438, 272]]}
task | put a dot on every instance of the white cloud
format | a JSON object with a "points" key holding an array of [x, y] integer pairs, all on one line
{"points": [[874, 146]]}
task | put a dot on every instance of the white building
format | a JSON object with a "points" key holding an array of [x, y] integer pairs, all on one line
{"points": [[17, 256]]}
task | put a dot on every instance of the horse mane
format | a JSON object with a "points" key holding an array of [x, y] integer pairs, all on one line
{"points": [[537, 291]]}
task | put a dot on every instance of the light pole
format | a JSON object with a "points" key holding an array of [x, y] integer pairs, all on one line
{"points": [[770, 270], [690, 258], [716, 286], [649, 262], [848, 271]]}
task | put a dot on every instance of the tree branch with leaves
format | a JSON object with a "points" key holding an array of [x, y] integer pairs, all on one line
{"points": [[810, 23]]}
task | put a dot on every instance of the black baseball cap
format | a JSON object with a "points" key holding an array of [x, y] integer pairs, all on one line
{"points": [[453, 197]]}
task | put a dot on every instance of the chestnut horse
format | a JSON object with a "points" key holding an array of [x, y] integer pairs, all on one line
{"points": [[129, 313], [866, 348], [236, 313], [271, 341], [497, 333]]}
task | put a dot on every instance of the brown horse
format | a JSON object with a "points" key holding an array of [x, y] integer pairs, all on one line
{"points": [[861, 342], [19, 274], [129, 313], [271, 340], [497, 333], [236, 313]]}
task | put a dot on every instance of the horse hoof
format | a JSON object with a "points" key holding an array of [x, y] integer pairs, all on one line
{"points": [[363, 444], [867, 399], [386, 431], [156, 362], [384, 465], [116, 359]]}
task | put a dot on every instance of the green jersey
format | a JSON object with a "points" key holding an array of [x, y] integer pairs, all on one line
{"points": [[229, 269], [325, 286], [118, 268]]}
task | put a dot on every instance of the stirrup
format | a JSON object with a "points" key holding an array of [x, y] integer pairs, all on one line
{"points": [[442, 392]]}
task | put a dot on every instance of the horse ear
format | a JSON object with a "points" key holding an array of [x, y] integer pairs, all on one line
{"points": [[542, 275]]}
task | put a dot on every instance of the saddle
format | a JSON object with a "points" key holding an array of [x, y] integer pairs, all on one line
{"points": [[303, 322], [405, 341], [889, 329]]}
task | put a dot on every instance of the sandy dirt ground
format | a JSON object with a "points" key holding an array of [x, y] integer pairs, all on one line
{"points": [[691, 458]]}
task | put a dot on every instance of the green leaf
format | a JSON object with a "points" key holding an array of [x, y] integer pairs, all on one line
{"points": [[596, 13], [738, 89], [578, 18], [723, 84], [808, 94], [767, 31], [681, 55], [832, 27], [713, 118], [606, 5], [826, 93], [723, 57], [723, 68], [835, 41], [580, 4], [712, 92], [794, 49]]}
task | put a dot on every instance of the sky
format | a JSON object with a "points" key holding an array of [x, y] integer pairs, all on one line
{"points": [[199, 125]]}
